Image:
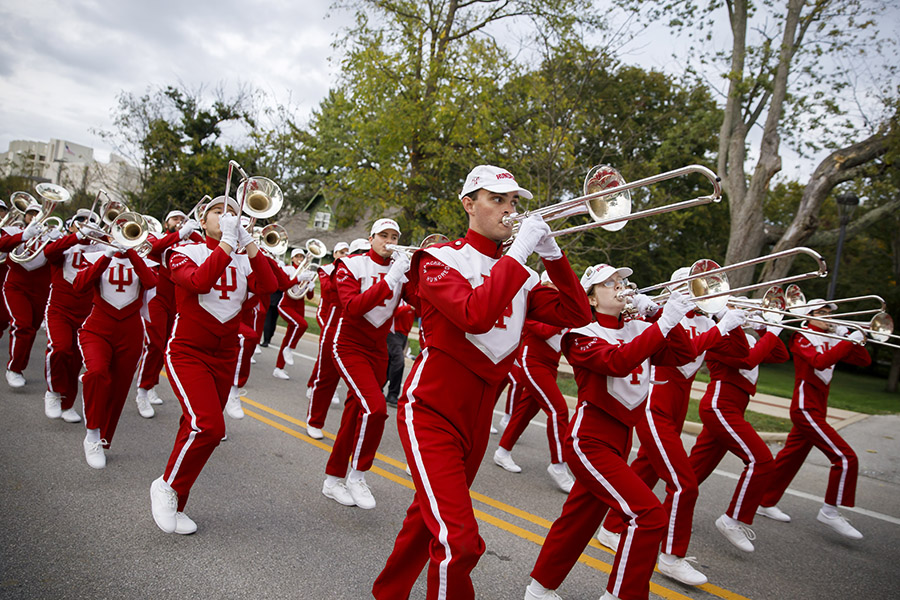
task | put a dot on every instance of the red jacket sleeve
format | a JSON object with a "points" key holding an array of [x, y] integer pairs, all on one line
{"points": [[356, 303], [842, 351], [147, 275], [612, 359], [769, 349], [542, 330], [567, 307], [8, 243], [55, 249], [732, 344], [678, 350], [87, 277], [262, 280], [160, 244], [198, 279]]}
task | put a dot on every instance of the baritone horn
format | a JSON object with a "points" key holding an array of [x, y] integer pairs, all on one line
{"points": [[18, 203], [315, 252], [607, 199], [52, 195]]}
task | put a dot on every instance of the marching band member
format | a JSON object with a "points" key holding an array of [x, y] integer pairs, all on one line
{"points": [[473, 301], [369, 286], [814, 359], [662, 454], [25, 292], [211, 285], [397, 340], [65, 314], [732, 384], [118, 277], [293, 311], [611, 358], [539, 355], [324, 379], [161, 308]]}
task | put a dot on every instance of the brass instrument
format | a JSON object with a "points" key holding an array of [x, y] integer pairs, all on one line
{"points": [[430, 240], [18, 203], [272, 238], [315, 252], [51, 195]]}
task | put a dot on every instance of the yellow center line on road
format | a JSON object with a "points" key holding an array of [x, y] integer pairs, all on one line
{"points": [[535, 538]]}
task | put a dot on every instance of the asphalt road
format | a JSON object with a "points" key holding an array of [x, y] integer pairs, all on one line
{"points": [[266, 531]]}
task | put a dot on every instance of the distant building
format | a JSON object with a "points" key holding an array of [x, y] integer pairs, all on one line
{"points": [[70, 165]]}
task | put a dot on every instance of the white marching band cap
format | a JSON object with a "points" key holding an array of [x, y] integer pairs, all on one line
{"points": [[34, 206], [383, 225], [600, 273], [340, 246], [815, 304], [359, 244], [297, 251], [175, 213], [492, 179], [680, 273], [217, 201], [2, 204]]}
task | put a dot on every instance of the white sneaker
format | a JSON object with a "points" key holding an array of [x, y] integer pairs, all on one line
{"points": [[506, 461], [608, 596], [256, 350], [339, 493], [143, 405], [280, 374], [682, 570], [773, 512], [252, 361], [164, 505], [94, 454], [561, 477], [335, 399], [609, 539], [740, 535], [548, 595], [840, 524], [153, 397], [314, 432], [184, 525], [233, 406], [494, 430], [70, 415], [288, 355], [361, 494], [504, 421], [15, 379], [52, 405]]}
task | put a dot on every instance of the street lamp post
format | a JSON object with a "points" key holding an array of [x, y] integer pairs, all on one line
{"points": [[847, 204]]}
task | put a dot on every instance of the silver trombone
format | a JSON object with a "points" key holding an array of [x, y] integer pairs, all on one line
{"points": [[52, 195], [607, 199], [272, 238], [429, 240]]}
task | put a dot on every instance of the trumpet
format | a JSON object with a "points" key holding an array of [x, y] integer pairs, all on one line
{"points": [[429, 240], [607, 199], [51, 195], [315, 252], [18, 203]]}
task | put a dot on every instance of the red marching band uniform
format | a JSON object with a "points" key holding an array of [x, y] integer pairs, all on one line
{"points": [[292, 310], [325, 377]]}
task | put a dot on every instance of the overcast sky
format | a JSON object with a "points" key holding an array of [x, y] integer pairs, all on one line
{"points": [[63, 63]]}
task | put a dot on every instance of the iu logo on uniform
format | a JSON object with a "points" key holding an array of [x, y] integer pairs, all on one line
{"points": [[223, 285], [124, 278]]}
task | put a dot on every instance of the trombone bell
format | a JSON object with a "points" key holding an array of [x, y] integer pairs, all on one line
{"points": [[262, 198], [599, 179]]}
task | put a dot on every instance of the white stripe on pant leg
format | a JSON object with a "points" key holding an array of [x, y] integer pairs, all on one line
{"points": [[676, 497], [322, 337], [752, 459], [293, 321], [547, 403], [13, 339], [194, 429], [50, 349], [845, 465], [359, 394], [237, 367], [624, 546], [145, 353], [426, 480]]}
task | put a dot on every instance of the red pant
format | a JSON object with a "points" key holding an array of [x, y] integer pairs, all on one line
{"points": [[324, 379], [541, 393], [26, 310], [201, 382], [63, 362], [4, 314], [724, 429], [111, 350], [440, 524], [248, 338], [162, 318], [296, 326], [662, 455], [811, 429], [365, 411], [596, 451]]}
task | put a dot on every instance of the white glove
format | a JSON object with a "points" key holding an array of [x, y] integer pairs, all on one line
{"points": [[244, 237], [399, 267], [644, 305], [842, 330], [856, 336], [531, 233], [229, 225], [547, 248], [732, 319], [187, 228], [54, 234], [111, 249], [676, 307], [32, 230], [306, 275]]}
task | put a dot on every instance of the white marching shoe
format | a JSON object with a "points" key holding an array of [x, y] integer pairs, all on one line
{"points": [[257, 350], [609, 539], [280, 374], [839, 524], [680, 569], [52, 405], [338, 492], [184, 525], [288, 355], [504, 459], [361, 494], [14, 379], [314, 432], [561, 477], [94, 454], [143, 404], [774, 513], [153, 397], [164, 505], [70, 415], [736, 532], [233, 406], [548, 595]]}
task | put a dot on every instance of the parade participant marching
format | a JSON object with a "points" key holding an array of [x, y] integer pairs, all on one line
{"points": [[732, 384], [814, 359], [397, 340], [110, 340], [324, 379], [370, 287], [65, 314], [611, 359], [212, 283], [662, 453], [473, 301], [539, 355], [292, 310]]}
